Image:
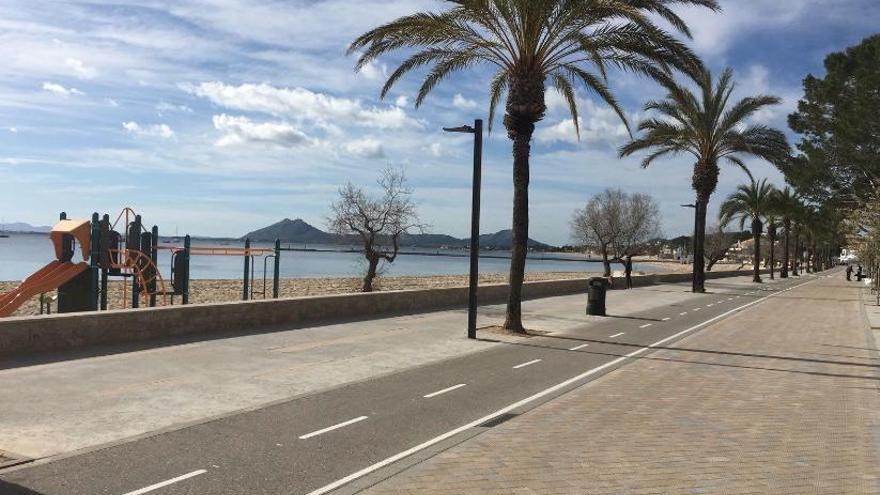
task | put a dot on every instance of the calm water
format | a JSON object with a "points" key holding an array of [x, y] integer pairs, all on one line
{"points": [[23, 254]]}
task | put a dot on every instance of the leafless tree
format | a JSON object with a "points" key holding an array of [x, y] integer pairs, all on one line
{"points": [[616, 224], [378, 222], [718, 244]]}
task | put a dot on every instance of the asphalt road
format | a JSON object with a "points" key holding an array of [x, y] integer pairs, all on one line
{"points": [[307, 445]]}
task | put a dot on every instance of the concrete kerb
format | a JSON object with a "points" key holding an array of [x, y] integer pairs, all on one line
{"points": [[29, 335]]}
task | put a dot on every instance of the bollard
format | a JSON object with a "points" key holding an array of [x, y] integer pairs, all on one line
{"points": [[597, 288]]}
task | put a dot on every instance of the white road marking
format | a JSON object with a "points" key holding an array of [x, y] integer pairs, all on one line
{"points": [[696, 309], [683, 313], [448, 389], [334, 427], [529, 363], [667, 318], [543, 393], [616, 335], [709, 305], [150, 488], [578, 347], [646, 325]]}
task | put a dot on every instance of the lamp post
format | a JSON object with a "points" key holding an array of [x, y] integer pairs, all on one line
{"points": [[477, 131]]}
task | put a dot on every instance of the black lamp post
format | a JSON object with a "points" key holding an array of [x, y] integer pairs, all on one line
{"points": [[477, 131]]}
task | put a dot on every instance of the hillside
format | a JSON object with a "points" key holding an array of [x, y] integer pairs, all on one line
{"points": [[23, 227], [300, 232]]}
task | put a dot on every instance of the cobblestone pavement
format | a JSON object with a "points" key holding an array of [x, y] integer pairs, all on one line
{"points": [[782, 398]]}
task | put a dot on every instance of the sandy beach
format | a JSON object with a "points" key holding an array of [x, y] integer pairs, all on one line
{"points": [[209, 291]]}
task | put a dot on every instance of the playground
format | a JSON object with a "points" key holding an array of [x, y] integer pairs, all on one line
{"points": [[90, 255]]}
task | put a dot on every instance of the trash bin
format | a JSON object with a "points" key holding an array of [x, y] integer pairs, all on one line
{"points": [[596, 288]]}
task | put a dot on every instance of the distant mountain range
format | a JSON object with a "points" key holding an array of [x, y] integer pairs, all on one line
{"points": [[300, 232], [24, 227]]}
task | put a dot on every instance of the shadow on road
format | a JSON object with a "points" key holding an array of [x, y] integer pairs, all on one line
{"points": [[7, 488]]}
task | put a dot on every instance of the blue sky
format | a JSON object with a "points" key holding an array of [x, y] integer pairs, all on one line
{"points": [[215, 117]]}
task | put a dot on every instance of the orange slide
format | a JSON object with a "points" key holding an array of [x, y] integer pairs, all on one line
{"points": [[46, 279]]}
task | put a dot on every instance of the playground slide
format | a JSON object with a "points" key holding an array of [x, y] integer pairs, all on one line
{"points": [[48, 278]]}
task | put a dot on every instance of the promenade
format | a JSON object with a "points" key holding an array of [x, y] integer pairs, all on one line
{"points": [[781, 398]]}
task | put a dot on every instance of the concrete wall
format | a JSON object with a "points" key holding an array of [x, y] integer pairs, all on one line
{"points": [[25, 335]]}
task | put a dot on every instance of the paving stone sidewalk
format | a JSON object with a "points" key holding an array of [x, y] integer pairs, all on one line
{"points": [[783, 398]]}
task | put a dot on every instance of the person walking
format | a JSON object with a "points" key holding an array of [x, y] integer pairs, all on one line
{"points": [[849, 271], [627, 270], [859, 273]]}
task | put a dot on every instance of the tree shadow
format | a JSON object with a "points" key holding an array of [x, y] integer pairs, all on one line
{"points": [[7, 488]]}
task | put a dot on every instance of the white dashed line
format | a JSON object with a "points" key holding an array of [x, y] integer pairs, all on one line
{"points": [[150, 488], [646, 325], [709, 305], [616, 335], [448, 389], [683, 313], [533, 361], [334, 427], [667, 318], [696, 309], [578, 347]]}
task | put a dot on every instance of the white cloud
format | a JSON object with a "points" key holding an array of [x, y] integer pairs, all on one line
{"points": [[459, 101], [164, 106], [436, 149], [365, 148], [373, 71], [300, 103], [12, 129], [155, 130], [241, 130], [111, 102], [80, 69], [401, 101], [60, 90]]}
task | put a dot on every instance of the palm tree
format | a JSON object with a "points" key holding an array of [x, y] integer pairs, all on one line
{"points": [[772, 220], [750, 202], [708, 126], [530, 44], [788, 203]]}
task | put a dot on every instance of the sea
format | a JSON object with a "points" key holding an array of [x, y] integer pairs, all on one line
{"points": [[23, 254]]}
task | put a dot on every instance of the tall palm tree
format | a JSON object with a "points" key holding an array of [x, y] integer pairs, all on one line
{"points": [[750, 202], [710, 127], [787, 204], [772, 220], [531, 44]]}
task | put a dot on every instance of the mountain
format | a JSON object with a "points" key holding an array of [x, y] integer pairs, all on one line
{"points": [[300, 232], [292, 231], [503, 239], [23, 227]]}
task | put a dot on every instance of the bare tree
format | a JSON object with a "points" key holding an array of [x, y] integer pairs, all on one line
{"points": [[378, 222], [718, 244], [616, 224]]}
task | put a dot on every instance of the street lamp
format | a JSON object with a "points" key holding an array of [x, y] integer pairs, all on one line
{"points": [[477, 131]]}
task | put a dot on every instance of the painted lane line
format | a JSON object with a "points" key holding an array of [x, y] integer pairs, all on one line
{"points": [[696, 309], [578, 347], [334, 427], [150, 488], [448, 389], [667, 318], [683, 313], [543, 393], [616, 335], [646, 325], [709, 305], [528, 363]]}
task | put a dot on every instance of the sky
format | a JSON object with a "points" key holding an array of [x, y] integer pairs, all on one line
{"points": [[217, 117]]}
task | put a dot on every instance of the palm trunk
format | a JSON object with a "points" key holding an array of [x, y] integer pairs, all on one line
{"points": [[771, 236], [704, 181], [756, 236], [699, 275], [783, 271], [795, 265], [519, 247]]}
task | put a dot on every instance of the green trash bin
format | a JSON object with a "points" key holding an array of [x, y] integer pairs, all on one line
{"points": [[597, 287]]}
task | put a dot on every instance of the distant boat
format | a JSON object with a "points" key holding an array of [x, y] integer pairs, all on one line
{"points": [[3, 236]]}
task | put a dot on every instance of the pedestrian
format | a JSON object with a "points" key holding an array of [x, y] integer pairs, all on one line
{"points": [[849, 271], [628, 270], [859, 273]]}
